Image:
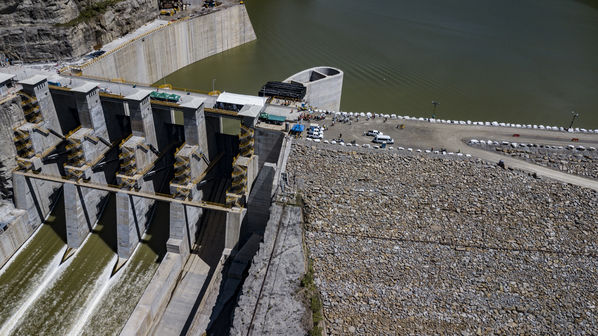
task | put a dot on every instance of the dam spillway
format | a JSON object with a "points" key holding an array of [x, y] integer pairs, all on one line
{"points": [[72, 286], [137, 184]]}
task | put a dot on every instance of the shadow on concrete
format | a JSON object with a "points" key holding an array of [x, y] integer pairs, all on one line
{"points": [[106, 226], [57, 218], [158, 230]]}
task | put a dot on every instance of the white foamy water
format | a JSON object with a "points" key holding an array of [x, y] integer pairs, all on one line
{"points": [[102, 286], [23, 247], [52, 272]]}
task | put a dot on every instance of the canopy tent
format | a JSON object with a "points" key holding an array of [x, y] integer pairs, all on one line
{"points": [[298, 128]]}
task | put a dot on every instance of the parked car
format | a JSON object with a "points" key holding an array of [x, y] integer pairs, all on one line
{"points": [[381, 138], [372, 132]]}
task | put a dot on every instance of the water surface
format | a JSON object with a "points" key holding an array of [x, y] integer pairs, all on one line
{"points": [[522, 61]]}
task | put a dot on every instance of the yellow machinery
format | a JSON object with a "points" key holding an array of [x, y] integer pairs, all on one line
{"points": [[169, 12]]}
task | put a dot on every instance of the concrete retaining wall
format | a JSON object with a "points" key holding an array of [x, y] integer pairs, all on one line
{"points": [[267, 145], [164, 51], [17, 232], [156, 296], [10, 114]]}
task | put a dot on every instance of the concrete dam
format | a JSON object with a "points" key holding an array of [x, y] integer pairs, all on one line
{"points": [[135, 189], [159, 52], [129, 209]]}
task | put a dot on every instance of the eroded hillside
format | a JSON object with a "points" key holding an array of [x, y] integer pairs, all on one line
{"points": [[60, 29]]}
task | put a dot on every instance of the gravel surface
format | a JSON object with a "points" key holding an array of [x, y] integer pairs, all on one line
{"points": [[422, 244], [566, 159]]}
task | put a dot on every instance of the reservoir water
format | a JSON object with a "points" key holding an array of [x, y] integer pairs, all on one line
{"points": [[523, 61]]}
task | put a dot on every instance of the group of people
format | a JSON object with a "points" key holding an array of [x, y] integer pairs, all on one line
{"points": [[4, 62]]}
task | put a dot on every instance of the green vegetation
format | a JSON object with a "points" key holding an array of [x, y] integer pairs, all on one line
{"points": [[90, 12], [315, 303]]}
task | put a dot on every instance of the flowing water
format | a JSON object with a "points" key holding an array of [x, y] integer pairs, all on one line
{"points": [[119, 302], [80, 296], [60, 305], [32, 267], [524, 61]]}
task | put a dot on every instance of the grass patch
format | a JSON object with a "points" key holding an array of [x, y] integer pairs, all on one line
{"points": [[90, 12], [315, 303]]}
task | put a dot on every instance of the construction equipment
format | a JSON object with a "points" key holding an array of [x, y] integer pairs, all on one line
{"points": [[170, 7], [211, 3], [168, 12]]}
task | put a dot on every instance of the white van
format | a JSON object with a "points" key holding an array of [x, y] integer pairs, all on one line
{"points": [[381, 138]]}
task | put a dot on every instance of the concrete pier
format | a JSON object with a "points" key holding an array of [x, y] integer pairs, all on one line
{"points": [[233, 228], [34, 141], [132, 212], [138, 156], [191, 162], [86, 148]]}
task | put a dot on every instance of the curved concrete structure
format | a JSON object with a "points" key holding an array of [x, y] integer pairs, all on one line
{"points": [[151, 57], [324, 86]]}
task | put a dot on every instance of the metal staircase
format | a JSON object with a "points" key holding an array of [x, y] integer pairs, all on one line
{"points": [[31, 108]]}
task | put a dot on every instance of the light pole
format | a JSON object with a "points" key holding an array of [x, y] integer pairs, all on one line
{"points": [[575, 115], [435, 103]]}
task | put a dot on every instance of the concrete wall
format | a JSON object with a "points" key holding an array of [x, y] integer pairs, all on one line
{"points": [[258, 204], [280, 310], [17, 232], [267, 145], [177, 45], [324, 86], [155, 298], [10, 114]]}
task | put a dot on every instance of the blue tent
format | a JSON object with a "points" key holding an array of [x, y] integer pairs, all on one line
{"points": [[298, 128]]}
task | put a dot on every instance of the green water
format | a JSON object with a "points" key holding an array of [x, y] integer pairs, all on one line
{"points": [[27, 270], [73, 285], [120, 301], [56, 310], [523, 61]]}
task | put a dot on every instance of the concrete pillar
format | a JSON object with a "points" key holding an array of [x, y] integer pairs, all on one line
{"points": [[37, 86], [34, 196], [78, 221], [128, 230], [89, 108], [24, 199], [234, 219], [142, 119], [195, 126], [179, 238], [132, 215], [184, 222], [83, 207]]}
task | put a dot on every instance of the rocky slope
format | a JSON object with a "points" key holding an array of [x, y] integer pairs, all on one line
{"points": [[61, 29], [427, 245]]}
